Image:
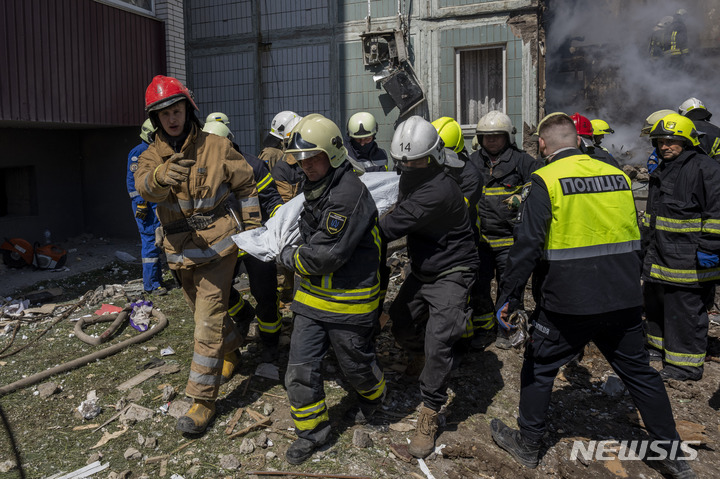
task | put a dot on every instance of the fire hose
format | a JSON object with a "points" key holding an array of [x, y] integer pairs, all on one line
{"points": [[117, 319]]}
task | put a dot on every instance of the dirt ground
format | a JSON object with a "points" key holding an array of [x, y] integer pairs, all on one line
{"points": [[52, 437]]}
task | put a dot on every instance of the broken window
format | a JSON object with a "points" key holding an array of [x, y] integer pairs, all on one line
{"points": [[18, 195], [480, 82], [146, 5]]}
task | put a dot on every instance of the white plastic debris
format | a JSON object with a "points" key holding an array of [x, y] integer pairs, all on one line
{"points": [[89, 408], [15, 308], [169, 351]]}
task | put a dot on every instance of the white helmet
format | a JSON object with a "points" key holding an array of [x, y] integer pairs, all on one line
{"points": [[218, 128], [652, 119], [417, 138], [495, 122], [315, 134], [218, 116], [146, 131], [691, 104], [283, 124], [362, 125]]}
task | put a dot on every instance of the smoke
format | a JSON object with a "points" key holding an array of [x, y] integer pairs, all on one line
{"points": [[598, 64]]}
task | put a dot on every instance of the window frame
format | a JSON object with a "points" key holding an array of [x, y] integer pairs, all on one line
{"points": [[458, 79]]}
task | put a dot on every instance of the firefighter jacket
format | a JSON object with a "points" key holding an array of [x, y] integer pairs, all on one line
{"points": [[196, 222], [338, 259], [578, 235], [506, 177], [431, 212], [709, 139], [597, 152], [272, 151], [288, 177], [682, 217], [470, 181], [370, 156], [270, 199]]}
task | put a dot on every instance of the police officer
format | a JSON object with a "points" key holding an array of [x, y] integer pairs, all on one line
{"points": [[336, 301], [145, 218], [275, 142], [681, 232], [362, 147], [505, 171], [709, 134], [585, 132], [431, 310], [197, 179], [261, 275], [579, 217]]}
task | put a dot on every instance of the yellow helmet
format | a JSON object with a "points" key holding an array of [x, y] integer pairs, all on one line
{"points": [[600, 127], [147, 131], [315, 134], [674, 127], [450, 132]]}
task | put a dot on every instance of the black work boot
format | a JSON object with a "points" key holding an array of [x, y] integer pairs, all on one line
{"points": [[300, 451], [525, 452], [269, 353], [681, 374], [676, 468]]}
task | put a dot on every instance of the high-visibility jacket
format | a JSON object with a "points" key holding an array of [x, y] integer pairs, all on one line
{"points": [[338, 259], [579, 236], [500, 180], [682, 218]]}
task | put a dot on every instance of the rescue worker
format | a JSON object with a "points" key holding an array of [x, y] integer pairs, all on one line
{"points": [[262, 276], [653, 159], [677, 41], [431, 310], [709, 134], [600, 129], [362, 147], [336, 301], [197, 180], [145, 218], [470, 181], [585, 132], [579, 216], [681, 233], [275, 142], [505, 170], [659, 43]]}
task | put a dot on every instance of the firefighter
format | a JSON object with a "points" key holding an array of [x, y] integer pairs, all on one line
{"points": [[653, 118], [587, 146], [505, 171], [431, 310], [600, 129], [201, 185], [336, 301], [275, 142], [261, 275], [470, 180], [709, 134], [145, 218], [681, 233], [361, 146], [579, 216]]}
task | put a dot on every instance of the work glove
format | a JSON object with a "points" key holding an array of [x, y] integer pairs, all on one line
{"points": [[174, 171], [502, 315], [141, 210], [707, 260], [513, 202], [285, 258]]}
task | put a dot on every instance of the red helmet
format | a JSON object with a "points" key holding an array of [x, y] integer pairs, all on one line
{"points": [[582, 125], [164, 91]]}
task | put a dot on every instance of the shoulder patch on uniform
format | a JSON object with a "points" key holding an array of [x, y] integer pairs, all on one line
{"points": [[335, 222], [134, 167]]}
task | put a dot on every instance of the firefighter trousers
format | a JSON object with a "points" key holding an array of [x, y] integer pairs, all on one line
{"points": [[207, 288], [355, 353], [558, 338], [677, 323], [492, 265], [429, 318], [262, 277]]}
